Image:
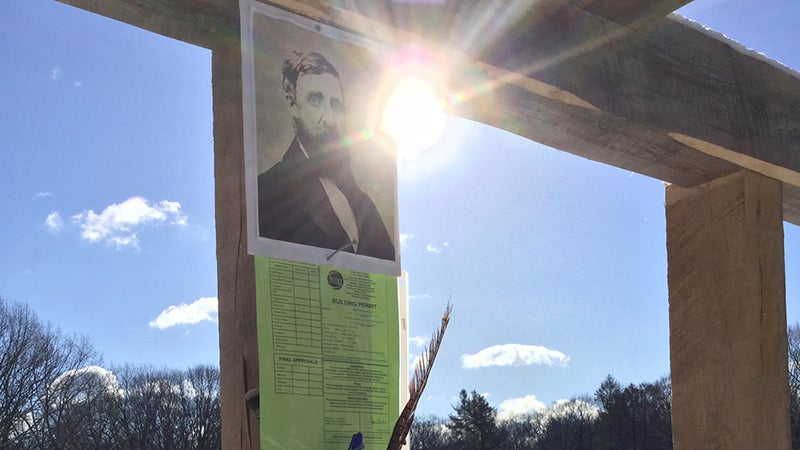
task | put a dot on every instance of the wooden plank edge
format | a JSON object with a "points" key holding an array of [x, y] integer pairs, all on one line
{"points": [[789, 178], [631, 13], [194, 22]]}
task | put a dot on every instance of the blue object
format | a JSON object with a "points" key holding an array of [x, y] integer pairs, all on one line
{"points": [[356, 442]]}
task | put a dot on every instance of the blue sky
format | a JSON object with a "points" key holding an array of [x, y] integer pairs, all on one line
{"points": [[107, 156]]}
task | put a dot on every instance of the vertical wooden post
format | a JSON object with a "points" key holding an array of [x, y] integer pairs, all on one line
{"points": [[727, 314], [235, 270]]}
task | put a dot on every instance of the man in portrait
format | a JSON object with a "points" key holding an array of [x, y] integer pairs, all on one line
{"points": [[311, 197]]}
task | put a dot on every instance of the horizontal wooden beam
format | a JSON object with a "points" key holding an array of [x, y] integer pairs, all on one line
{"points": [[664, 98], [667, 76], [632, 13], [611, 81], [197, 22]]}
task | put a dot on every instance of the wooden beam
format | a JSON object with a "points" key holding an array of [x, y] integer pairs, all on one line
{"points": [[727, 314], [197, 22], [663, 98], [668, 77], [632, 13], [238, 342]]}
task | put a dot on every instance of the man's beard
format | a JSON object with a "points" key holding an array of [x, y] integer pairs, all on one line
{"points": [[327, 154], [318, 142]]}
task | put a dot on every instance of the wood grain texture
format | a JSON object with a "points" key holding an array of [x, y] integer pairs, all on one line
{"points": [[643, 77], [198, 22], [728, 347], [791, 203], [666, 76], [663, 76], [633, 13], [235, 268], [641, 85]]}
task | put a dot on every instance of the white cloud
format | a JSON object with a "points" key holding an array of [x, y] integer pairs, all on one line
{"points": [[404, 238], [514, 355], [42, 195], [521, 406], [124, 241], [202, 309], [117, 223], [436, 248], [419, 296], [419, 341], [80, 384], [78, 83], [54, 222], [55, 73]]}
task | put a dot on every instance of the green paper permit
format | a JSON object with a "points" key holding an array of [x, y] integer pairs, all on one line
{"points": [[329, 356]]}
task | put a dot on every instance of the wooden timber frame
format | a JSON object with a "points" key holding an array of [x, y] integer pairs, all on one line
{"points": [[620, 82]]}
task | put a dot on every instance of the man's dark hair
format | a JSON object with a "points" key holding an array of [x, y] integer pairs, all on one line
{"points": [[301, 63]]}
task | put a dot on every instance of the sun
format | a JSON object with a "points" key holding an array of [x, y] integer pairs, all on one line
{"points": [[414, 117]]}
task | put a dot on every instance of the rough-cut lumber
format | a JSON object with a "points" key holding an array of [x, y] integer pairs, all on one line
{"points": [[661, 98], [198, 22], [668, 100], [669, 77], [633, 13], [235, 269], [727, 314]]}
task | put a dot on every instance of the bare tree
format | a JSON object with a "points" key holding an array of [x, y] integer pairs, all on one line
{"points": [[54, 395], [429, 433], [33, 355], [523, 432], [793, 334], [569, 425], [78, 410], [169, 409], [204, 413], [148, 412]]}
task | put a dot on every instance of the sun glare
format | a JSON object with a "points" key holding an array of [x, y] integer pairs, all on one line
{"points": [[414, 117]]}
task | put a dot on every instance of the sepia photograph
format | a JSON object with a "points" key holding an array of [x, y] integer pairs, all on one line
{"points": [[321, 178]]}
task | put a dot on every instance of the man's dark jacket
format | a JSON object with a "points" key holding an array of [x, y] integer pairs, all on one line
{"points": [[293, 207]]}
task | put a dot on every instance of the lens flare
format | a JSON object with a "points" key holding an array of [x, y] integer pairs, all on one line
{"points": [[414, 117]]}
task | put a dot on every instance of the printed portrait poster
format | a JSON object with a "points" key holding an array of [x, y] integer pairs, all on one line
{"points": [[322, 224], [321, 179]]}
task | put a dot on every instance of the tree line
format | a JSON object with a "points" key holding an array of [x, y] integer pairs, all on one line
{"points": [[634, 417], [55, 395]]}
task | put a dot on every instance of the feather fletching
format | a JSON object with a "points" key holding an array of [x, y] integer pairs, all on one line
{"points": [[422, 371]]}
